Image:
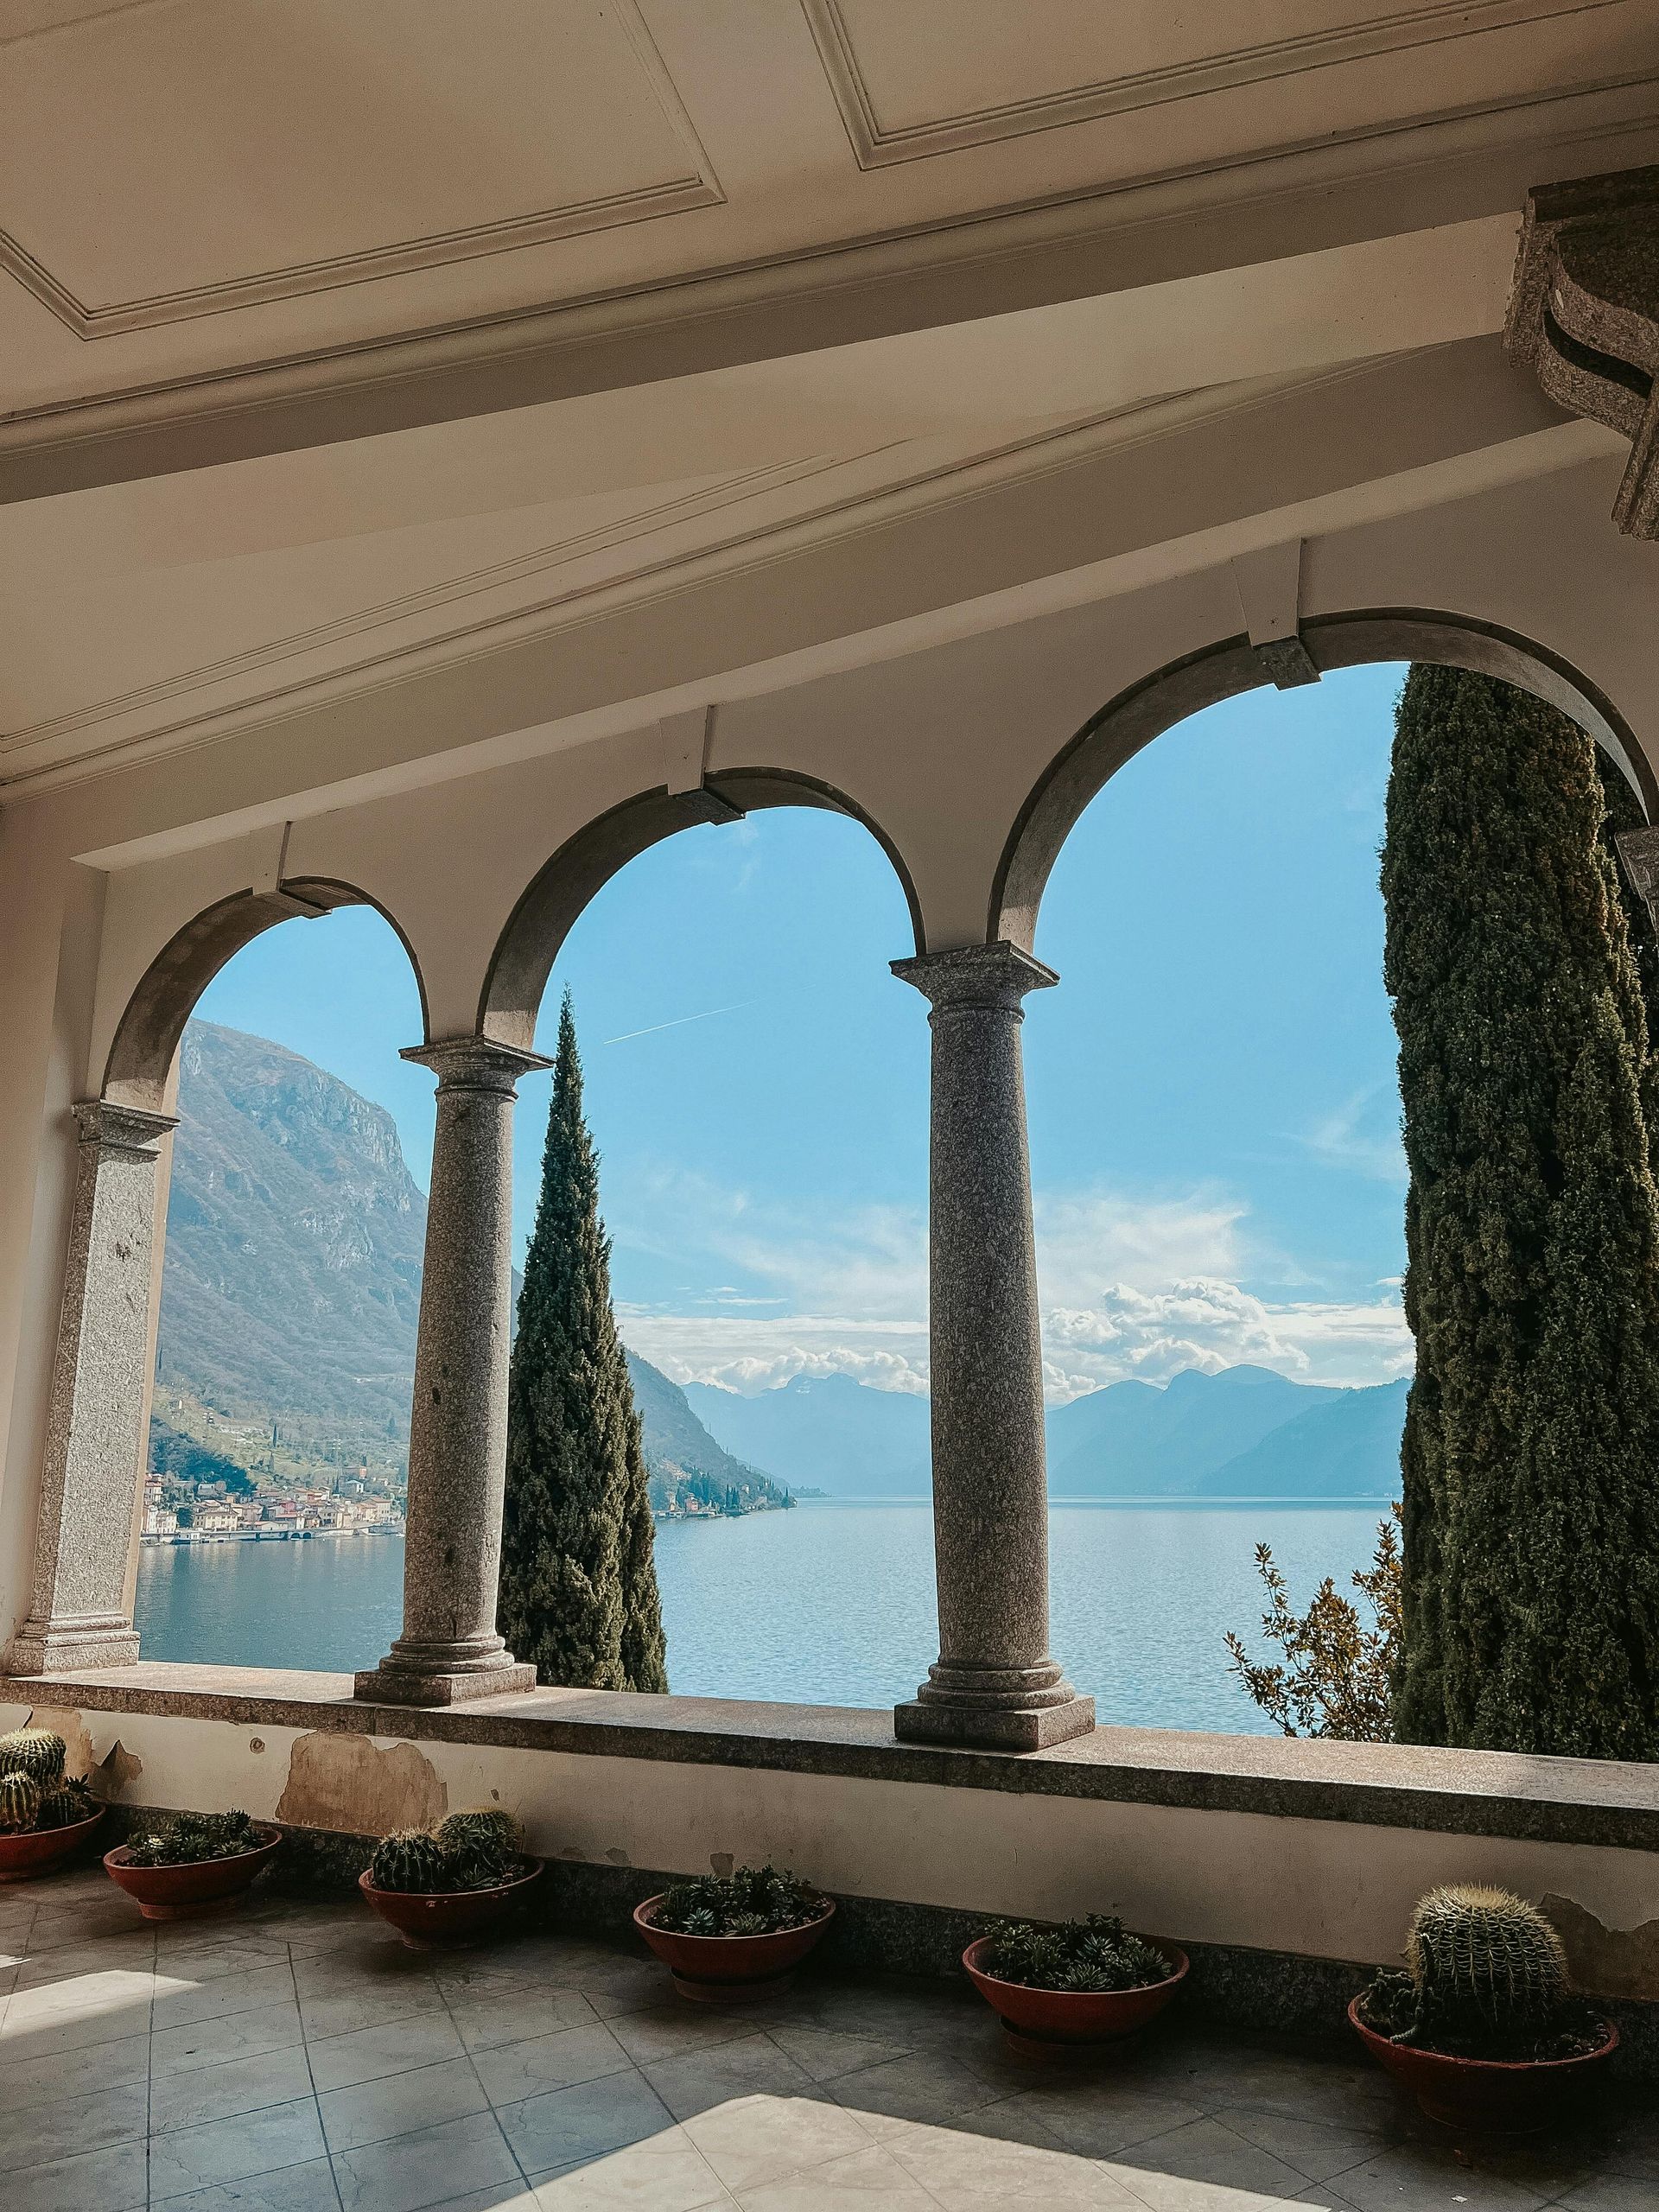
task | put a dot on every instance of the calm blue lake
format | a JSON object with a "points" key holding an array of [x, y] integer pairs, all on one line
{"points": [[830, 1604]]}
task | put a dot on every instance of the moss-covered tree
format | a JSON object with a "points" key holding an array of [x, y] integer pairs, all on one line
{"points": [[578, 1595], [1531, 1453]]}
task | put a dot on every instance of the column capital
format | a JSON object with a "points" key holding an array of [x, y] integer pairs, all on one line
{"points": [[115, 1127], [994, 976], [475, 1063]]}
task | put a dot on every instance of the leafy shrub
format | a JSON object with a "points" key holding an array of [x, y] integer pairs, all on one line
{"points": [[1085, 1956], [194, 1836], [751, 1901], [1338, 1674]]}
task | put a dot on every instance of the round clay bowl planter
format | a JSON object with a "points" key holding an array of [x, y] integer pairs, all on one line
{"points": [[1487, 2096], [424, 1917], [730, 1969], [1061, 2025], [183, 1892], [23, 1857]]}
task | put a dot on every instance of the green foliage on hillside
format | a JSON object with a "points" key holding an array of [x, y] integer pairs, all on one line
{"points": [[578, 1591], [1531, 1511], [182, 1457]]}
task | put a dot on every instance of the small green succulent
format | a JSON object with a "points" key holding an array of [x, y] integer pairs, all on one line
{"points": [[750, 1901], [1088, 1956]]}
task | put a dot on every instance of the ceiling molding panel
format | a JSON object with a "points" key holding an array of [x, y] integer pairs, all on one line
{"points": [[247, 156], [877, 58]]}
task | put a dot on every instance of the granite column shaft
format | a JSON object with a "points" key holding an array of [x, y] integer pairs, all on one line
{"points": [[995, 1682], [449, 1649], [80, 1600]]}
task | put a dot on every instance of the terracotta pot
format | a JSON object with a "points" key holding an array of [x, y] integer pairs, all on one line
{"points": [[201, 1885], [730, 1969], [1059, 2023], [1487, 2096], [437, 1917], [22, 1857]]}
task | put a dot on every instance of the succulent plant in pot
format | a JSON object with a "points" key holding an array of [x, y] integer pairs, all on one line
{"points": [[1062, 1988], [193, 1863], [1482, 2028], [735, 1938], [452, 1884], [44, 1815]]}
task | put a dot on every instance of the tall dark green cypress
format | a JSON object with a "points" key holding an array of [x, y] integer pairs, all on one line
{"points": [[1530, 1460], [578, 1593]]}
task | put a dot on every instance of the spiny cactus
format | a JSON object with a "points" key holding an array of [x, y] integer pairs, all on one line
{"points": [[411, 1860], [1482, 1958], [33, 1751], [20, 1803], [62, 1806], [480, 1846]]}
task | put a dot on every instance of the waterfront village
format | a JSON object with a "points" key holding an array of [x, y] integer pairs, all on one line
{"points": [[214, 1480]]}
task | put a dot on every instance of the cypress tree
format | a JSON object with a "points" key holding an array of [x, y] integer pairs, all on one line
{"points": [[578, 1592], [1530, 1460]]}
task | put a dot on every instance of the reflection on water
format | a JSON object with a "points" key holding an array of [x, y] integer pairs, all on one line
{"points": [[830, 1604]]}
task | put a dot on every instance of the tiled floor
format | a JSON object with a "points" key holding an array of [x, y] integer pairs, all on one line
{"points": [[297, 2059]]}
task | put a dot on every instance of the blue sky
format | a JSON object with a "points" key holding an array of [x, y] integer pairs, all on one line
{"points": [[1214, 1116]]}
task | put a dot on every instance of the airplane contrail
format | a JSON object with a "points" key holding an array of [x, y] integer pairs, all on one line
{"points": [[678, 1022]]}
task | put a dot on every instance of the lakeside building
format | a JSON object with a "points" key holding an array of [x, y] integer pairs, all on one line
{"points": [[444, 453]]}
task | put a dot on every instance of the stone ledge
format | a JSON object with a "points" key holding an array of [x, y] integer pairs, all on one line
{"points": [[1590, 1801]]}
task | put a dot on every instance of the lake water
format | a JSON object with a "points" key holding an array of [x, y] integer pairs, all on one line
{"points": [[830, 1604]]}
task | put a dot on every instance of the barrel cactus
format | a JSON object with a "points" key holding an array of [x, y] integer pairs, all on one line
{"points": [[410, 1860], [64, 1804], [1482, 1960], [20, 1803], [33, 1751], [479, 1848]]}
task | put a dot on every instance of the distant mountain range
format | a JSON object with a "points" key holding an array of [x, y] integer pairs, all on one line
{"points": [[1244, 1433], [292, 1283]]}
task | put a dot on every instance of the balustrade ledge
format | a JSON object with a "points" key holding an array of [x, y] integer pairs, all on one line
{"points": [[1586, 1801]]}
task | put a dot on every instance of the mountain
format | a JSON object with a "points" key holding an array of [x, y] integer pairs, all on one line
{"points": [[1244, 1433], [1131, 1440], [825, 1432], [291, 1286]]}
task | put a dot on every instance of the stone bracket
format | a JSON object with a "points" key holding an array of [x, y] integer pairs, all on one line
{"points": [[1583, 316], [1269, 586]]}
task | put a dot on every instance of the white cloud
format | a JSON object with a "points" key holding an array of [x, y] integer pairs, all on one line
{"points": [[1362, 1136]]}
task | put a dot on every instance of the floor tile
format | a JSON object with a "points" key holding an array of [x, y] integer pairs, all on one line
{"points": [[62, 2126], [1418, 2180], [967, 2173], [753, 2140], [343, 2015], [512, 2071], [498, 2017], [63, 2073], [927, 2086], [235, 2085], [1204, 2151], [229, 2150], [665, 2173], [869, 2181], [826, 2052], [431, 2167], [1101, 2120], [1308, 2147], [663, 2031], [308, 2186], [209, 2042], [93, 2181], [398, 2104], [180, 1999], [749, 2065], [583, 2122], [420, 2039], [1611, 2193]]}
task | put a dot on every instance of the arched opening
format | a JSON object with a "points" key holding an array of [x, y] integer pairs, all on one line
{"points": [[276, 1459], [756, 1085]]}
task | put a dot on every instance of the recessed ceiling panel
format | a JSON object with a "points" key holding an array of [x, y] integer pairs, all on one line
{"points": [[186, 156]]}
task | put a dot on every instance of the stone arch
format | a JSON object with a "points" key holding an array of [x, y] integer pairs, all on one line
{"points": [[1169, 695], [147, 1037], [529, 945]]}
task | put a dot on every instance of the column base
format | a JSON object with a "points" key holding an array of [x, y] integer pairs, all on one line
{"points": [[60, 1646], [993, 1728], [418, 1672]]}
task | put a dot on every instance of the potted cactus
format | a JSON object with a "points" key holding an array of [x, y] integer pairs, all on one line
{"points": [[735, 1938], [1482, 2028], [455, 1883], [198, 1863], [44, 1814], [1063, 1990]]}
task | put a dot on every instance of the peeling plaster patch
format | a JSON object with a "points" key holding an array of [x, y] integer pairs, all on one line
{"points": [[1606, 1961], [343, 1782], [110, 1775], [66, 1721], [617, 1858], [723, 1863]]}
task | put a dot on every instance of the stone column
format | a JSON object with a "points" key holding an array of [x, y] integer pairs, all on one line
{"points": [[995, 1683], [81, 1610], [458, 1423]]}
